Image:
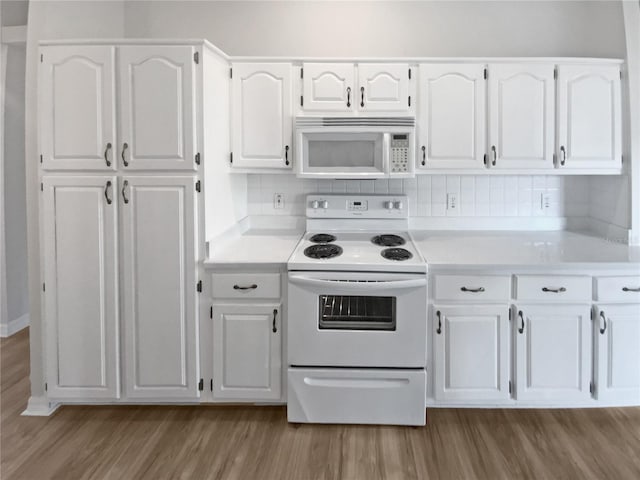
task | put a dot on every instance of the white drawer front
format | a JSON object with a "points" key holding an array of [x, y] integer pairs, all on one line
{"points": [[472, 287], [392, 397], [618, 289], [245, 285], [553, 288]]}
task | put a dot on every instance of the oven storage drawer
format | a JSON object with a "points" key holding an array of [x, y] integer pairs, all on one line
{"points": [[472, 287], [245, 285], [618, 289], [553, 288], [345, 395]]}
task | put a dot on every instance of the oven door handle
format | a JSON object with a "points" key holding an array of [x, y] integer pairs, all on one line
{"points": [[356, 286]]}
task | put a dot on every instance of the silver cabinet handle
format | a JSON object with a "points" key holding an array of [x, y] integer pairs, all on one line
{"points": [[125, 197], [439, 315], [250, 287], [286, 154], [554, 290], [348, 96], [563, 156], [495, 155], [107, 192], [472, 290], [275, 314], [125, 145], [424, 155], [106, 154], [362, 96], [630, 289], [604, 319], [521, 329]]}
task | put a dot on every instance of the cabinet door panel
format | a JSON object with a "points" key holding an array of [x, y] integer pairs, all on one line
{"points": [[159, 278], [617, 375], [77, 108], [553, 353], [472, 353], [521, 101], [451, 121], [383, 87], [247, 353], [80, 269], [157, 107], [261, 115], [329, 87], [589, 117]]}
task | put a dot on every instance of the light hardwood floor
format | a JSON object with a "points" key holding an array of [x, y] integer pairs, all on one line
{"points": [[258, 443]]}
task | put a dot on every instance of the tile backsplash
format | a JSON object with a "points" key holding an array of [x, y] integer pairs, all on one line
{"points": [[476, 196]]}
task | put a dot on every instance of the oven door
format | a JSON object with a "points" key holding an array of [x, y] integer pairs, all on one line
{"points": [[345, 319]]}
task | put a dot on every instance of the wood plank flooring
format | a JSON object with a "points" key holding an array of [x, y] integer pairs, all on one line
{"points": [[257, 442]]}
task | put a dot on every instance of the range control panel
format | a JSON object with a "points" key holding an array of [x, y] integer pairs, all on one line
{"points": [[399, 156], [357, 206]]}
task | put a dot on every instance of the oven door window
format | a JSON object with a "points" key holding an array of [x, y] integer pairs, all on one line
{"points": [[348, 312]]}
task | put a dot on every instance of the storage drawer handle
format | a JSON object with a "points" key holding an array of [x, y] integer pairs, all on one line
{"points": [[107, 192], [424, 155], [106, 154], [362, 96], [554, 290], [275, 314], [627, 289], [439, 315], [348, 96], [125, 145], [495, 155], [250, 287], [563, 151], [521, 329], [472, 290], [125, 197], [286, 154], [604, 319]]}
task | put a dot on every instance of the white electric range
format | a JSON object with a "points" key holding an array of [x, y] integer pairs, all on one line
{"points": [[357, 314]]}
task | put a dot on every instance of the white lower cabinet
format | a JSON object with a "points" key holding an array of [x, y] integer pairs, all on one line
{"points": [[471, 353], [617, 353], [247, 352], [553, 353]]}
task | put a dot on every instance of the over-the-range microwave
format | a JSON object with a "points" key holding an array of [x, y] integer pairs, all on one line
{"points": [[355, 147]]}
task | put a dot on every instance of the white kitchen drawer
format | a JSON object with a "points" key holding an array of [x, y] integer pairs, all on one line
{"points": [[245, 285], [553, 288], [392, 397], [472, 287], [618, 289]]}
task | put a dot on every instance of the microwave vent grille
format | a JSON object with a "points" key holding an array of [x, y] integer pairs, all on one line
{"points": [[355, 121]]}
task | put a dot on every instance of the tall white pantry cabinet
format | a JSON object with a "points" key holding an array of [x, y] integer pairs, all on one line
{"points": [[121, 145]]}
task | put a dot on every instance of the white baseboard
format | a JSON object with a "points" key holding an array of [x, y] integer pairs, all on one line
{"points": [[40, 407], [14, 326]]}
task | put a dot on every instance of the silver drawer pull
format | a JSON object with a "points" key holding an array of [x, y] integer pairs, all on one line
{"points": [[627, 289], [554, 290], [472, 290], [250, 287]]}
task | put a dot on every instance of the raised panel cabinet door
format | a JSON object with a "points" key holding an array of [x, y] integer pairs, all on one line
{"points": [[159, 287], [329, 87], [383, 87], [521, 116], [81, 284], [77, 108], [451, 116], [553, 353], [261, 117], [472, 353], [247, 352], [157, 107], [617, 366], [589, 117]]}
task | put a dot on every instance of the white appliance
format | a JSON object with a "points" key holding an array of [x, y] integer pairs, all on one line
{"points": [[355, 147], [357, 315]]}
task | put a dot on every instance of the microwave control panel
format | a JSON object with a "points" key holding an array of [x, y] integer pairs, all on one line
{"points": [[399, 157]]}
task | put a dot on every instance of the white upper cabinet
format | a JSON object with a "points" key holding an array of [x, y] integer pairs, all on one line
{"points": [[589, 117], [451, 118], [159, 287], [80, 296], [365, 87], [77, 108], [261, 119], [157, 114], [521, 114]]}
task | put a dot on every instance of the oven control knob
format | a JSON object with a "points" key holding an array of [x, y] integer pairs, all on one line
{"points": [[398, 205], [325, 204], [388, 205], [315, 204]]}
